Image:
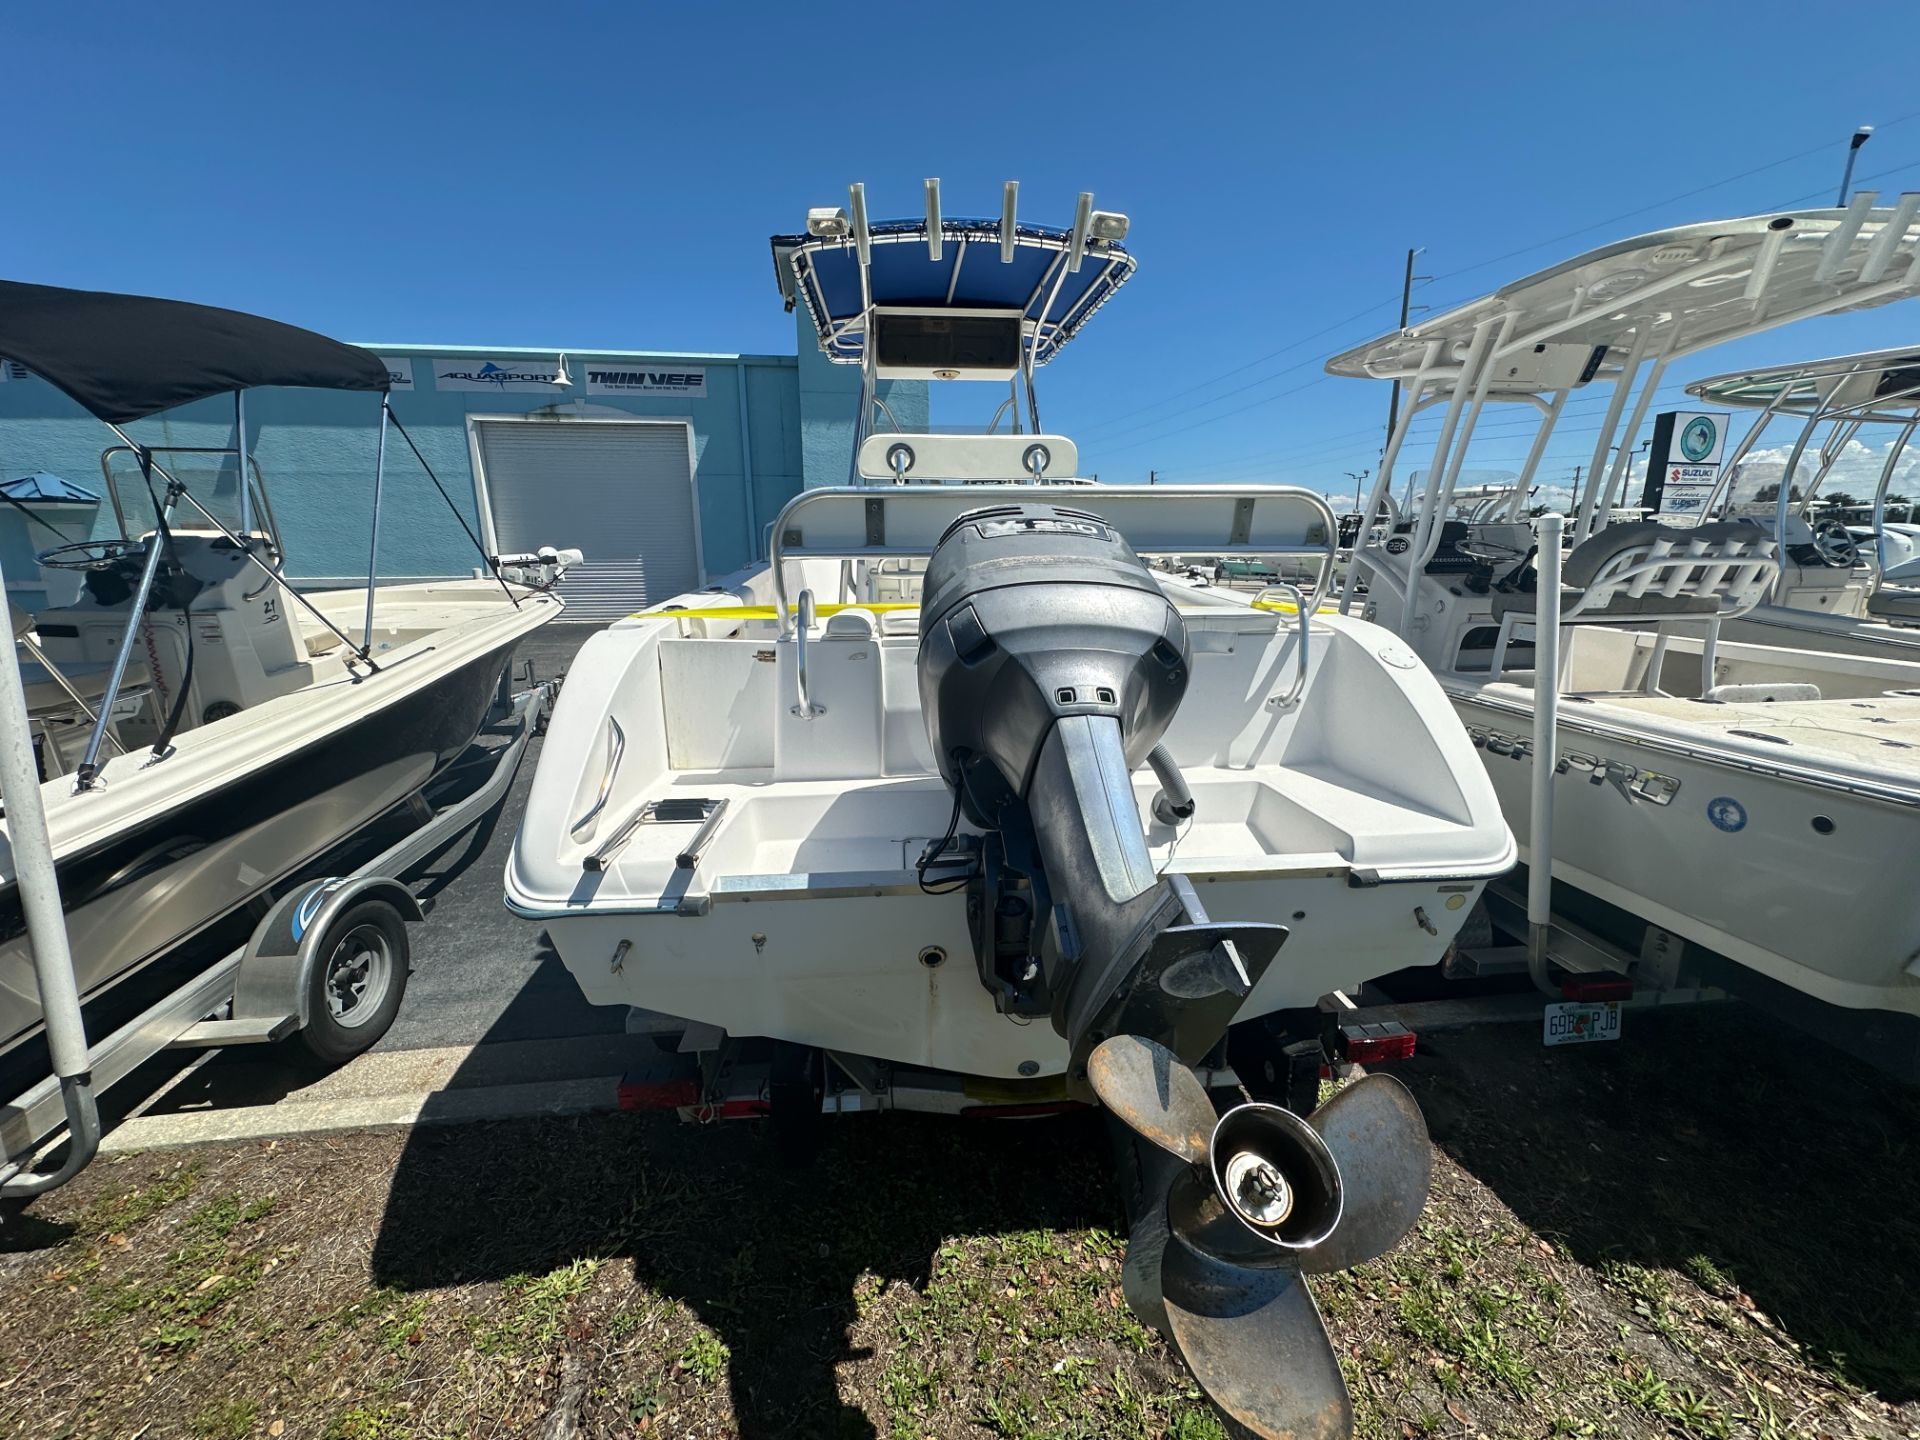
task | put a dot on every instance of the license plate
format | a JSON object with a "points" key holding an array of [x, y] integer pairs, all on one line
{"points": [[1580, 1022]]}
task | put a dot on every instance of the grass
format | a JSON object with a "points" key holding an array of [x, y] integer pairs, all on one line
{"points": [[1615, 1248], [227, 1420]]}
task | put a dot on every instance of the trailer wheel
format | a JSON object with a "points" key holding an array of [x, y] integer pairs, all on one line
{"points": [[357, 982]]}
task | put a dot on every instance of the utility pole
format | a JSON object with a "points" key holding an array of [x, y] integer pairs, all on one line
{"points": [[1861, 134], [1573, 499], [1406, 308], [1153, 477]]}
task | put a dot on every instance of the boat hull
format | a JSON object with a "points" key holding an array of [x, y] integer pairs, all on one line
{"points": [[1816, 886], [194, 865], [887, 972]]}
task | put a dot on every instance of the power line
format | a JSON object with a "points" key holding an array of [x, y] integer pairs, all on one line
{"points": [[1092, 433], [1239, 369]]}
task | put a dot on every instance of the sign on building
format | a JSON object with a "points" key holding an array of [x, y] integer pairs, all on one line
{"points": [[520, 377], [399, 372], [634, 377], [1683, 467]]}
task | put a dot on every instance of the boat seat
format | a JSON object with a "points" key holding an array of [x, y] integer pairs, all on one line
{"points": [[1642, 571], [1902, 606], [854, 624], [1619, 606]]}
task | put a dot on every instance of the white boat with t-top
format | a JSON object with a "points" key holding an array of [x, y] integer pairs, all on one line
{"points": [[1757, 800], [956, 781], [1844, 586]]}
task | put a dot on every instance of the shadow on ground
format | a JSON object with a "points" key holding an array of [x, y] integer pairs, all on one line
{"points": [[769, 1259], [1712, 1142]]}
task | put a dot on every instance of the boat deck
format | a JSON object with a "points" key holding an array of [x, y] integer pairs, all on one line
{"points": [[1881, 731]]}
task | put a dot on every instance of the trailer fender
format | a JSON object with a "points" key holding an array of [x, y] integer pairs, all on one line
{"points": [[279, 960]]}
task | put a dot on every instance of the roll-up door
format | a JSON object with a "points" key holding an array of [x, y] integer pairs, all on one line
{"points": [[620, 493]]}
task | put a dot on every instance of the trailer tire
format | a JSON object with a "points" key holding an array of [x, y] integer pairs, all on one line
{"points": [[359, 978]]}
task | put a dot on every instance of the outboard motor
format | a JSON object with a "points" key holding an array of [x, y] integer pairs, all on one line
{"points": [[1051, 663]]}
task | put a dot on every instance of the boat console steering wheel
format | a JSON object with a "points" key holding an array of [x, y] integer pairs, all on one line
{"points": [[1835, 546], [91, 554]]}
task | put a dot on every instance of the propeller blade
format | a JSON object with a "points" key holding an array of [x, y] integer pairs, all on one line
{"points": [[1154, 1095], [1254, 1341], [1379, 1139]]}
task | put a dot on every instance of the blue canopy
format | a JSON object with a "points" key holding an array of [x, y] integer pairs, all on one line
{"points": [[969, 275]]}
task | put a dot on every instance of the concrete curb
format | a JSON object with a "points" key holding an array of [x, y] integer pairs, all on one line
{"points": [[289, 1118]]}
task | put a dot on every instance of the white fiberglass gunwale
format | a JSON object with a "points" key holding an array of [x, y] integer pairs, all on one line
{"points": [[1641, 721]]}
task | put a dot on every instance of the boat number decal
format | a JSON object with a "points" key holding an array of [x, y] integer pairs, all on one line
{"points": [[1727, 814], [1398, 545], [1634, 784]]}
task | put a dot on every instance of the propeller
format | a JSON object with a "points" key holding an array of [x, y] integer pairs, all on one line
{"points": [[1235, 1210]]}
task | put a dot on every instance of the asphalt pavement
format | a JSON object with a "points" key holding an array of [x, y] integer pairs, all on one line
{"points": [[480, 973]]}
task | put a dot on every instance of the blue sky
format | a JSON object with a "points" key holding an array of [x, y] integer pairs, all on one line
{"points": [[607, 175]]}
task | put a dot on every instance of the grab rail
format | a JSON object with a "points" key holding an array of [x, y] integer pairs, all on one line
{"points": [[871, 523], [806, 709], [1299, 686], [616, 748]]}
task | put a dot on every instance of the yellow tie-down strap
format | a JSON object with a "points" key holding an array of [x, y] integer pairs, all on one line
{"points": [[881, 607]]}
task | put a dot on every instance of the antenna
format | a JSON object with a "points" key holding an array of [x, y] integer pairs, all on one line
{"points": [[1007, 204], [857, 204], [1082, 218], [933, 218]]}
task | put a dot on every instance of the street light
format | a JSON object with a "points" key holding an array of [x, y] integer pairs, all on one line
{"points": [[1861, 135], [1357, 479]]}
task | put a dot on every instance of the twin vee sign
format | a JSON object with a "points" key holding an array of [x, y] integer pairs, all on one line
{"points": [[539, 377], [1684, 465]]}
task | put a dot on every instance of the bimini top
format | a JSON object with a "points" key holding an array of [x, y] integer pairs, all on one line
{"points": [[1878, 385], [124, 357], [1665, 294], [973, 271]]}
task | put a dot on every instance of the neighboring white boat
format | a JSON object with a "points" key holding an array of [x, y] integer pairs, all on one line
{"points": [[956, 781], [203, 730], [1852, 589], [1757, 800]]}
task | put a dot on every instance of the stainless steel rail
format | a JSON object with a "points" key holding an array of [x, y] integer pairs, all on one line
{"points": [[863, 522]]}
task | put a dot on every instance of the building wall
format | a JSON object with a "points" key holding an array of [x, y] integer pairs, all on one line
{"points": [[788, 419]]}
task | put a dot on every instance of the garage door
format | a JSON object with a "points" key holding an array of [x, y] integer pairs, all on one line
{"points": [[621, 494]]}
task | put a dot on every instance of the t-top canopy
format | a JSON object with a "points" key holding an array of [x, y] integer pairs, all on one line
{"points": [[969, 275], [124, 357], [1877, 385], [1668, 293]]}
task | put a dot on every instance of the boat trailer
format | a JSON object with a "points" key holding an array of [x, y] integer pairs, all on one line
{"points": [[260, 993]]}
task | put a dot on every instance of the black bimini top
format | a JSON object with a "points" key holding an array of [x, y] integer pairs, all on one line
{"points": [[124, 357]]}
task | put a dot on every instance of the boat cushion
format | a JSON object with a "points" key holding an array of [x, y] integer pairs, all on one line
{"points": [[1901, 605]]}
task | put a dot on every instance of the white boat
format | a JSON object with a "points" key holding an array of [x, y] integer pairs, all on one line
{"points": [[204, 732], [956, 781], [1757, 800], [1851, 588]]}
